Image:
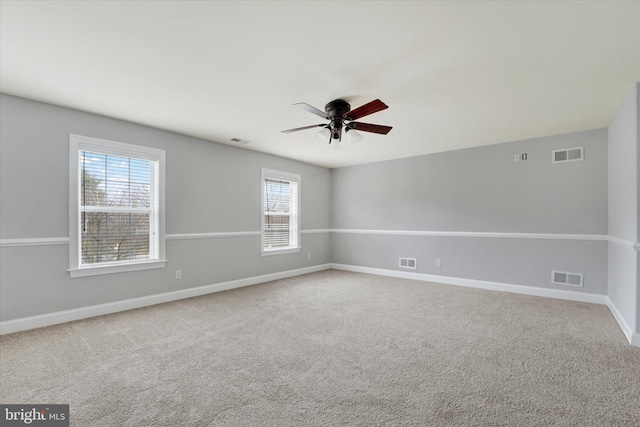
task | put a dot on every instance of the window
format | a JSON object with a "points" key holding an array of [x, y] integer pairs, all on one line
{"points": [[280, 212], [116, 206]]}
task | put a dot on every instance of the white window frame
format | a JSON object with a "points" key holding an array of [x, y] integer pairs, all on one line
{"points": [[78, 143], [283, 176]]}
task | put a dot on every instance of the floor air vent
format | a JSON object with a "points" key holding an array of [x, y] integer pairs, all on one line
{"points": [[408, 263], [567, 279], [568, 155]]}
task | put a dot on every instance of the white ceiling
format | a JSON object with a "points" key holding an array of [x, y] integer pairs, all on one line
{"points": [[454, 74]]}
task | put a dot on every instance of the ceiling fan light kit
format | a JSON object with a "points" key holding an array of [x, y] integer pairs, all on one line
{"points": [[353, 137], [324, 134], [341, 116]]}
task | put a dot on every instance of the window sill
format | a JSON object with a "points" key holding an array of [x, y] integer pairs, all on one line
{"points": [[118, 268], [270, 252]]}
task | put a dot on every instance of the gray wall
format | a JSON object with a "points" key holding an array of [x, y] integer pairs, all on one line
{"points": [[210, 188], [624, 158], [215, 188], [480, 190]]}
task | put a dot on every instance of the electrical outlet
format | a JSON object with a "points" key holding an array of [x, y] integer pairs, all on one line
{"points": [[309, 255], [523, 156], [438, 262], [178, 274]]}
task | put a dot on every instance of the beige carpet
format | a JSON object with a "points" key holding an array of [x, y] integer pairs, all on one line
{"points": [[334, 348]]}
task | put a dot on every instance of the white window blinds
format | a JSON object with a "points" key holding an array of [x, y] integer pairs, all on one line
{"points": [[280, 211], [118, 208]]}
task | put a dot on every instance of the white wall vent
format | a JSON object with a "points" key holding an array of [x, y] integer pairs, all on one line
{"points": [[408, 263], [574, 154], [567, 279]]}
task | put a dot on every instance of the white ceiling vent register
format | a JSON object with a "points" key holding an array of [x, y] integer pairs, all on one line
{"points": [[408, 263], [568, 155], [567, 279]]}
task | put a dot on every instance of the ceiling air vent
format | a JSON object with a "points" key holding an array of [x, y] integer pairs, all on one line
{"points": [[408, 263], [567, 279], [568, 155]]}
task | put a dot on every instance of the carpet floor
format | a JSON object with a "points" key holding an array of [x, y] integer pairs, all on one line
{"points": [[334, 348]]}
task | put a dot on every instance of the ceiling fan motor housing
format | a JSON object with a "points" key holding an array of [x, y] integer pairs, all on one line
{"points": [[336, 109]]}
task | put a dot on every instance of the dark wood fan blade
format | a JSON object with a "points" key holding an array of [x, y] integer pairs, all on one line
{"points": [[366, 127], [313, 110], [366, 109], [303, 128]]}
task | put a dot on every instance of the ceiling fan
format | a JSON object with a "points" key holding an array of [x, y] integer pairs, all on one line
{"points": [[341, 116]]}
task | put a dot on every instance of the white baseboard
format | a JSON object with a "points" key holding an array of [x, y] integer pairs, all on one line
{"points": [[49, 319], [39, 321], [481, 284], [632, 337]]}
